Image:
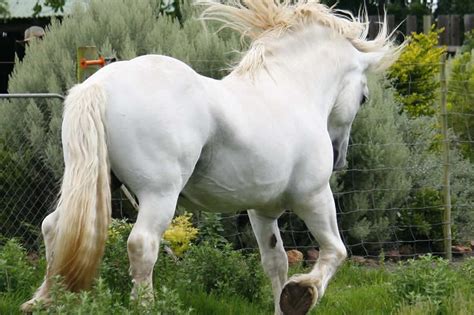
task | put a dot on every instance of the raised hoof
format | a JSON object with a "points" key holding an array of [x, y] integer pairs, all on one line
{"points": [[297, 299]]}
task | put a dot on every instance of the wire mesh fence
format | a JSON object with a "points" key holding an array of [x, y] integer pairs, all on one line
{"points": [[389, 199]]}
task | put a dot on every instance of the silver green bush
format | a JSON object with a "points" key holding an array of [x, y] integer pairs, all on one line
{"points": [[30, 147]]}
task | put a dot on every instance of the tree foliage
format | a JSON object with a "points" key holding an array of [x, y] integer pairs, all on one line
{"points": [[3, 8], [461, 100], [468, 44], [414, 75], [455, 7], [56, 5]]}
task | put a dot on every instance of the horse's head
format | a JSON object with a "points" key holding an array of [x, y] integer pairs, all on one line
{"points": [[353, 94]]}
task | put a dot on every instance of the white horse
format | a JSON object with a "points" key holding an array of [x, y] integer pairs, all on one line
{"points": [[267, 137]]}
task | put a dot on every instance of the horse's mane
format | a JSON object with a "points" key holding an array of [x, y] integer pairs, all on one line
{"points": [[261, 20]]}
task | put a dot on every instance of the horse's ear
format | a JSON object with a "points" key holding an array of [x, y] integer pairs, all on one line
{"points": [[382, 59], [377, 61]]}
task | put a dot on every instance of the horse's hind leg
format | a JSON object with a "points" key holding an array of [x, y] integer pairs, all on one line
{"points": [[48, 230], [273, 256], [319, 214], [155, 214]]}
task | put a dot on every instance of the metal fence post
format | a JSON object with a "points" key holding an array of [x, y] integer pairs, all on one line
{"points": [[446, 183]]}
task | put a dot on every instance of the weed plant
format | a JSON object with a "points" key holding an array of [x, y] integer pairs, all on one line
{"points": [[223, 272], [427, 279]]}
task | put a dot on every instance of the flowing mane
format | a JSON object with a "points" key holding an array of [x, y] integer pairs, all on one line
{"points": [[264, 20]]}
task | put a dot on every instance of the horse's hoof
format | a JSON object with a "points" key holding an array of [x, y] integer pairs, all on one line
{"points": [[297, 298], [27, 307], [34, 303]]}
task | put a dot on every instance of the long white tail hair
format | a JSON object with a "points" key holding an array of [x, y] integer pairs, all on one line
{"points": [[84, 205]]}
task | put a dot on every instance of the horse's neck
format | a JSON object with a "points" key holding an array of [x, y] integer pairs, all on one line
{"points": [[307, 66]]}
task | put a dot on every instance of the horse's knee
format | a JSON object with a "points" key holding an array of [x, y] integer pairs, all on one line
{"points": [[142, 247], [142, 253], [141, 242]]}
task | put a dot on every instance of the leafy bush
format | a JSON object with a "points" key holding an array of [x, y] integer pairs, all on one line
{"points": [[222, 271], [468, 44], [467, 269], [427, 279], [461, 101], [180, 234], [101, 300], [30, 130], [414, 74], [422, 219], [211, 229], [421, 134], [16, 272], [114, 268]]}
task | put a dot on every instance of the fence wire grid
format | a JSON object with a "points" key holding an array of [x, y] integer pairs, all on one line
{"points": [[376, 215]]}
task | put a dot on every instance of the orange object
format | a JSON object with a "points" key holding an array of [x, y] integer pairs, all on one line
{"points": [[98, 62]]}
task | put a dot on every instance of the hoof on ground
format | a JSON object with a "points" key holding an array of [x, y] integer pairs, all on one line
{"points": [[142, 297], [297, 298], [27, 307], [30, 305]]}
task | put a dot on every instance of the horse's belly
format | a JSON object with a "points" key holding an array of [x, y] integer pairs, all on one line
{"points": [[227, 193], [237, 171], [208, 199]]}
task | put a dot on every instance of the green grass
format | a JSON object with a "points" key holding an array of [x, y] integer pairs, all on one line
{"points": [[426, 286], [358, 290], [10, 302], [354, 290], [204, 304]]}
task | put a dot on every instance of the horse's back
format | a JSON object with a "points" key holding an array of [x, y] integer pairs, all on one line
{"points": [[157, 120]]}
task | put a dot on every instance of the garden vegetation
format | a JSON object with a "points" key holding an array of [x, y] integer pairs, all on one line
{"points": [[220, 280]]}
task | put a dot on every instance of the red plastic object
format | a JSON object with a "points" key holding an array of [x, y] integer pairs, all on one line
{"points": [[98, 62]]}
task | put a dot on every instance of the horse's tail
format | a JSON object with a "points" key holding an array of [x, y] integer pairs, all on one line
{"points": [[85, 204]]}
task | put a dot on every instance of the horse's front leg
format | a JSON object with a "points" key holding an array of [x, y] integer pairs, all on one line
{"points": [[154, 217], [301, 292], [273, 256]]}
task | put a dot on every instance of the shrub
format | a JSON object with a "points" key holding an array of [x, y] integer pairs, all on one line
{"points": [[422, 212], [30, 130], [467, 270], [222, 271], [180, 234], [422, 219], [16, 272], [114, 267], [461, 101], [101, 300], [468, 44], [427, 279], [414, 74], [211, 229]]}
